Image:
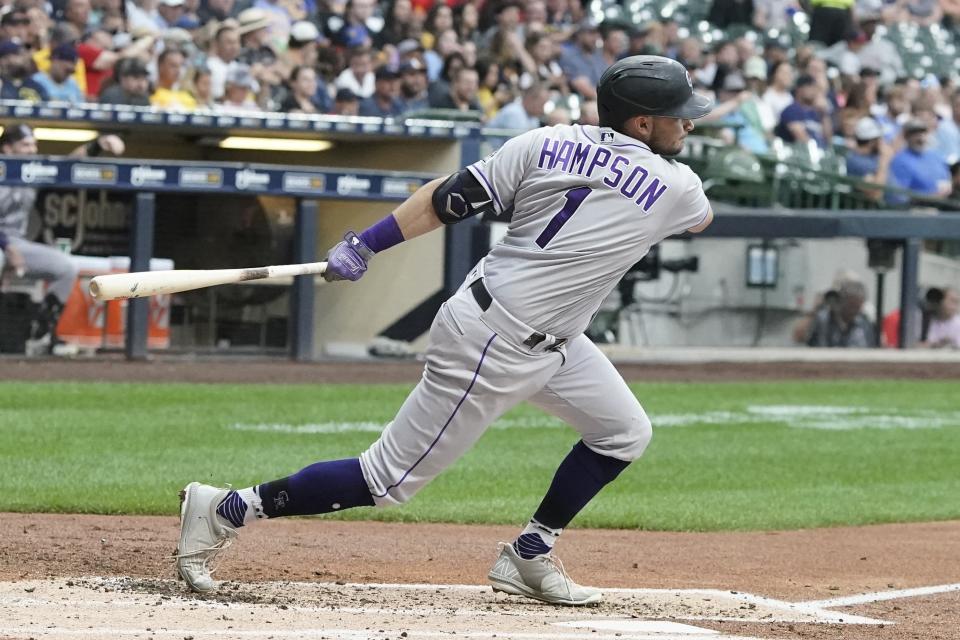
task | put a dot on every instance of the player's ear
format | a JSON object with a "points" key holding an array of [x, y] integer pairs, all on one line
{"points": [[640, 127]]}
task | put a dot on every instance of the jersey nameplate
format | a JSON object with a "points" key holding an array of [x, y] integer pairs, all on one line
{"points": [[619, 172]]}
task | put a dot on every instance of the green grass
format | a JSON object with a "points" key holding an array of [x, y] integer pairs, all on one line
{"points": [[128, 448]]}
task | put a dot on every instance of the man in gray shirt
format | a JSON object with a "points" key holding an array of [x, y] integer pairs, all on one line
{"points": [[841, 323]]}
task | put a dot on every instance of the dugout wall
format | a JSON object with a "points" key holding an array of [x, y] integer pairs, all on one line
{"points": [[186, 185]]}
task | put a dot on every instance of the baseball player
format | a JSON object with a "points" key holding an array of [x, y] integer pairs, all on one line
{"points": [[588, 202], [34, 259]]}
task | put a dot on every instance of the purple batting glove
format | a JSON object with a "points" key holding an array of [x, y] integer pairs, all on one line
{"points": [[348, 259]]}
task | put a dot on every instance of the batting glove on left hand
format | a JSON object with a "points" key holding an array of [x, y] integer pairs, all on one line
{"points": [[348, 259]]}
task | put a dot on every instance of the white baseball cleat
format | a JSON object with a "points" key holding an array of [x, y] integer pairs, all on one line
{"points": [[203, 534], [542, 578]]}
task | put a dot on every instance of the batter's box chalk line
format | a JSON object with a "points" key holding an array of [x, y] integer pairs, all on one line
{"points": [[90, 608]]}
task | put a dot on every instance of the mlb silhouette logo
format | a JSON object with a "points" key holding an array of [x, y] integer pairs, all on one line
{"points": [[606, 136]]}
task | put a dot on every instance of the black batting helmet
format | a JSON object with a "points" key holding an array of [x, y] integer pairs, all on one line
{"points": [[647, 85]]}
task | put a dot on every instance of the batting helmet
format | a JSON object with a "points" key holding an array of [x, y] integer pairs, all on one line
{"points": [[647, 85]]}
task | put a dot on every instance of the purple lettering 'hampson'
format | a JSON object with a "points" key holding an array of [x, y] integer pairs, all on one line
{"points": [[651, 194], [563, 155], [596, 162], [581, 158], [615, 169], [626, 188], [548, 151]]}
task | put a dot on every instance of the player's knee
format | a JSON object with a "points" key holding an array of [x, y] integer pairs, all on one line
{"points": [[638, 436], [633, 438], [65, 268], [626, 439]]}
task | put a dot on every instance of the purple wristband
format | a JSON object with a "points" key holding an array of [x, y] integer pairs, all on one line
{"points": [[382, 235]]}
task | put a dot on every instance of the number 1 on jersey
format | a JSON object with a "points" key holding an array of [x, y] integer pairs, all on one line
{"points": [[575, 198]]}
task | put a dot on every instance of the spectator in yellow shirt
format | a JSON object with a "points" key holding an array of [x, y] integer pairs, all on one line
{"points": [[168, 95]]}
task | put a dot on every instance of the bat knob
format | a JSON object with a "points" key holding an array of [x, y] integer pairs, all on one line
{"points": [[95, 289]]}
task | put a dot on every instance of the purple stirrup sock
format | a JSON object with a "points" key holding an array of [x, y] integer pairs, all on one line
{"points": [[581, 476], [320, 488], [382, 235]]}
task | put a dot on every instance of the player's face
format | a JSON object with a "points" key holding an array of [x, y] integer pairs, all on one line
{"points": [[667, 135]]}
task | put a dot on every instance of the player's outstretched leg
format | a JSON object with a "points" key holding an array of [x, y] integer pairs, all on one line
{"points": [[590, 395], [210, 516], [527, 567]]}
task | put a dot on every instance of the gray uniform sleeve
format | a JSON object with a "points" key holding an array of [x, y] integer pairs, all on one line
{"points": [[501, 172], [692, 205]]}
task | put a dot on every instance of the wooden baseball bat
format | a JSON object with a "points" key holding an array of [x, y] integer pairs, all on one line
{"points": [[150, 283]]}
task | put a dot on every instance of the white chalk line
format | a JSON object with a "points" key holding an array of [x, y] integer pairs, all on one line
{"points": [[881, 596], [823, 417], [814, 609], [341, 633]]}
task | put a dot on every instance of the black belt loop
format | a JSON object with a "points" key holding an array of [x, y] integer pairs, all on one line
{"points": [[535, 338], [483, 298], [480, 294]]}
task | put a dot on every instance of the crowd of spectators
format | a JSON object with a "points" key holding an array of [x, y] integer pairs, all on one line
{"points": [[514, 64]]}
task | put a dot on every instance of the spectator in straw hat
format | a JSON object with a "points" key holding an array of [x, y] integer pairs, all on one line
{"points": [[254, 28], [258, 31]]}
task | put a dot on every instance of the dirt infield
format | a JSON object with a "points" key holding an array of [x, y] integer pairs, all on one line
{"points": [[240, 370], [77, 576], [301, 575]]}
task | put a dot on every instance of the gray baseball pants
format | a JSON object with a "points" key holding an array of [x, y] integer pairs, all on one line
{"points": [[44, 262], [477, 368]]}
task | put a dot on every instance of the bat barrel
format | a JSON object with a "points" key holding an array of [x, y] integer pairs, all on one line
{"points": [[151, 283]]}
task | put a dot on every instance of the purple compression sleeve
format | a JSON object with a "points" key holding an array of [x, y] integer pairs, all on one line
{"points": [[382, 235]]}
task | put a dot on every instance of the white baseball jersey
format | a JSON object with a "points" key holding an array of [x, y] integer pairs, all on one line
{"points": [[588, 204]]}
